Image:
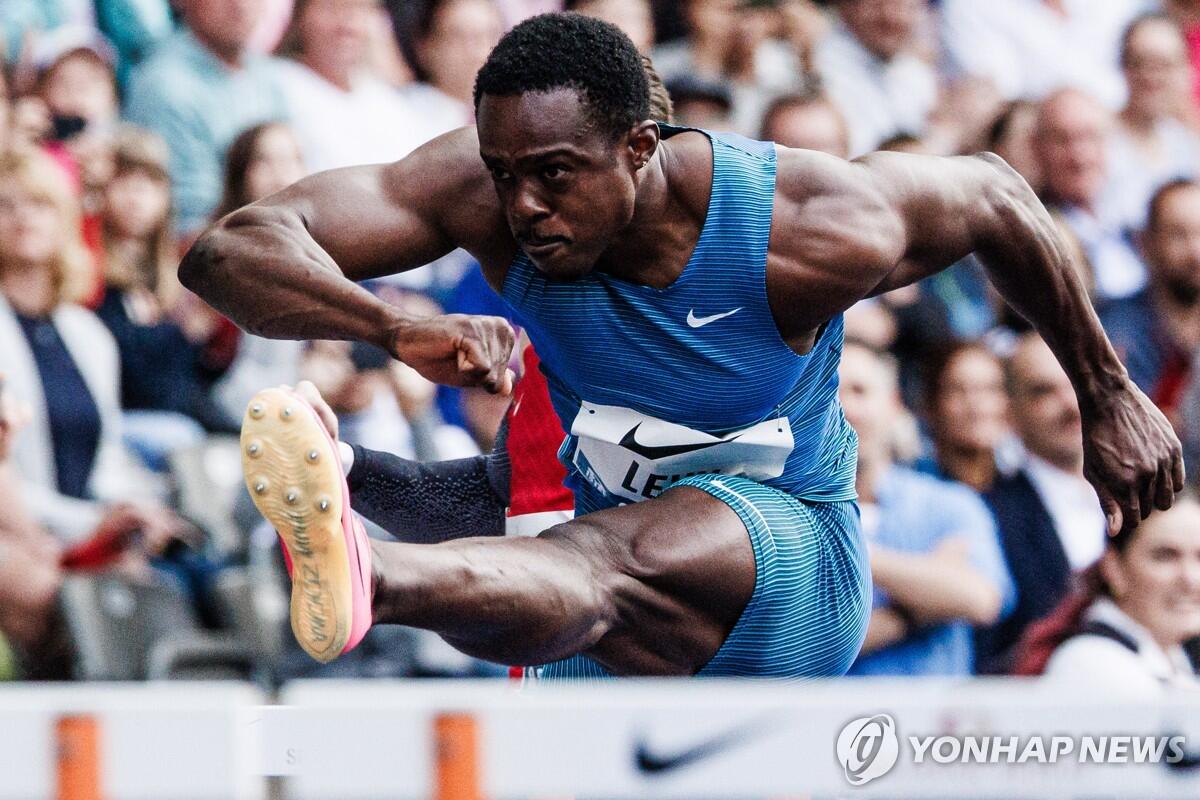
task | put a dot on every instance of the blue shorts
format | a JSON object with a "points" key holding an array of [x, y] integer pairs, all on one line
{"points": [[808, 615]]}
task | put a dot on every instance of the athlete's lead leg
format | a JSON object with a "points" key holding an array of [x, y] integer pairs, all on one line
{"points": [[652, 588]]}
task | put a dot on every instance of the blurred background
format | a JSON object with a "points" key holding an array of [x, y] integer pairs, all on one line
{"points": [[128, 547]]}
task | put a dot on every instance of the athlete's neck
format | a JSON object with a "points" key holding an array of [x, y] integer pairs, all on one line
{"points": [[668, 216]]}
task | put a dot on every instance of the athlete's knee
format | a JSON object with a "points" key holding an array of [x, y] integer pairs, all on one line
{"points": [[590, 584]]}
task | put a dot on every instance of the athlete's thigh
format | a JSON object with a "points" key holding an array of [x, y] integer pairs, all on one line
{"points": [[678, 569]]}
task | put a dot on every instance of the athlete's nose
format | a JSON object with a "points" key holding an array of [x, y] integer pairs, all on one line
{"points": [[527, 207]]}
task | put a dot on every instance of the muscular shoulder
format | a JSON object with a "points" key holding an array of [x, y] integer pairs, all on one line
{"points": [[446, 185], [447, 180], [834, 237], [828, 208]]}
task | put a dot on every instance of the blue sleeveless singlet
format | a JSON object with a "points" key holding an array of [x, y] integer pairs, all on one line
{"points": [[654, 385]]}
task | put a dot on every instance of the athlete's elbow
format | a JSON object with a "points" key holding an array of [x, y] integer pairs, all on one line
{"points": [[199, 266], [1003, 186]]}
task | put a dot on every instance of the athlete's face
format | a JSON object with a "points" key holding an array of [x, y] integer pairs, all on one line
{"points": [[567, 190]]}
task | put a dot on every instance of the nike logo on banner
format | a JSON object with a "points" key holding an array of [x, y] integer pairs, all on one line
{"points": [[699, 322], [629, 442], [650, 762]]}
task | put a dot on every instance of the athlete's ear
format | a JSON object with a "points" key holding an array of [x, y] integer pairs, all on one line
{"points": [[642, 141]]}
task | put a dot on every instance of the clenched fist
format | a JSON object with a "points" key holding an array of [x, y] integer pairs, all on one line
{"points": [[1132, 457], [458, 350]]}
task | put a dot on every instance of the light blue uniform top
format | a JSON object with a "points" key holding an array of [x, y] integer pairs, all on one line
{"points": [[653, 385]]}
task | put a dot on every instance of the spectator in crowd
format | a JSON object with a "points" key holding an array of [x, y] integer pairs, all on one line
{"points": [[24, 22], [342, 113], [1157, 331], [29, 561], [1012, 138], [450, 42], [1124, 629], [1031, 48], [809, 121], [77, 85], [966, 409], [935, 561], [634, 17], [1050, 520], [1186, 14], [867, 66], [513, 11], [199, 89], [1150, 146], [262, 160], [134, 27], [1188, 425], [701, 103], [163, 371], [61, 361], [729, 43], [1071, 145]]}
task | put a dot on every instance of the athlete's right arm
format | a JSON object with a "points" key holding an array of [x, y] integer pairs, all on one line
{"points": [[285, 267]]}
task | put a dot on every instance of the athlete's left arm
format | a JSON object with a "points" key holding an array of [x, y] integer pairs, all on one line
{"points": [[900, 218]]}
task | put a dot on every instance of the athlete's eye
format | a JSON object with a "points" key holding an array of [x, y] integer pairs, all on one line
{"points": [[500, 174], [553, 172]]}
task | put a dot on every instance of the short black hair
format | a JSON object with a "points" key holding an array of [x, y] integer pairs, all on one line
{"points": [[571, 51]]}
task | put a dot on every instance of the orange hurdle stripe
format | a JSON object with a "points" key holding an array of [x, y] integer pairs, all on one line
{"points": [[78, 739], [456, 754]]}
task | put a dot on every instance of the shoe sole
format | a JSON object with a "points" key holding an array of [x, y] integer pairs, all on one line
{"points": [[294, 477]]}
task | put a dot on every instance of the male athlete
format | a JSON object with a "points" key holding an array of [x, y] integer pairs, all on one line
{"points": [[684, 291]]}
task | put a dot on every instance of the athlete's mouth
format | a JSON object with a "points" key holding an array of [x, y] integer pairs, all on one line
{"points": [[540, 247]]}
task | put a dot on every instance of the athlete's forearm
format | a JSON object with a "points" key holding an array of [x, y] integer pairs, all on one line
{"points": [[262, 269], [1033, 268]]}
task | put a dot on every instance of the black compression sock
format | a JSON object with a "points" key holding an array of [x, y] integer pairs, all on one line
{"points": [[430, 502]]}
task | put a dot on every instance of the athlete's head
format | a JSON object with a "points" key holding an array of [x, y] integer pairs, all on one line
{"points": [[563, 114]]}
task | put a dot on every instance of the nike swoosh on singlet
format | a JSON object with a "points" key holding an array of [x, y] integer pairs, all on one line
{"points": [[699, 322], [629, 442]]}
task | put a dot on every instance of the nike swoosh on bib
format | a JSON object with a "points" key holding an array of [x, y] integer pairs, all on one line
{"points": [[699, 322], [629, 442]]}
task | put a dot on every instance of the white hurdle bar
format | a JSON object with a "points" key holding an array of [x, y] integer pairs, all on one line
{"points": [[466, 740], [702, 739]]}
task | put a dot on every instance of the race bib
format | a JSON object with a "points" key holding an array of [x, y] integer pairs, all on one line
{"points": [[634, 457]]}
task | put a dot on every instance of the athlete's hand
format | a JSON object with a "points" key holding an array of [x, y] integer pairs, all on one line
{"points": [[458, 350], [308, 390], [1132, 458]]}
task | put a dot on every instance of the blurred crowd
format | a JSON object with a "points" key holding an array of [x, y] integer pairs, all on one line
{"points": [[129, 125]]}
